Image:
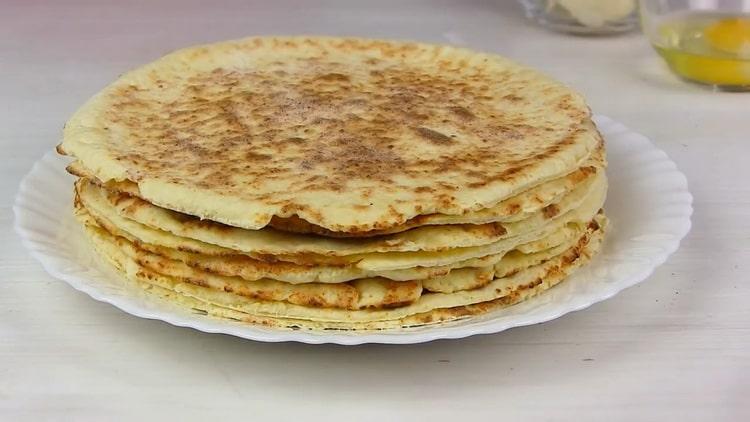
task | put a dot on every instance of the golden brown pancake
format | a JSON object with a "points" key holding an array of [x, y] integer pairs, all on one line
{"points": [[338, 183], [349, 135]]}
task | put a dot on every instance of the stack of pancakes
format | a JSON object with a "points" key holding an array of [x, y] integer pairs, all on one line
{"points": [[332, 183]]}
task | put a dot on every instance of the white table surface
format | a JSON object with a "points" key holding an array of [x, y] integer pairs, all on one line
{"points": [[676, 347]]}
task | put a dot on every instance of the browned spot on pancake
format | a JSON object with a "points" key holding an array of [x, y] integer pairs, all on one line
{"points": [[514, 208], [393, 305], [76, 170], [315, 302], [433, 136], [423, 189], [488, 230], [144, 274], [183, 248], [426, 318], [116, 198], [197, 223], [463, 113], [392, 212], [583, 173], [447, 186], [551, 210], [201, 283], [533, 284], [333, 77], [254, 156], [446, 201], [397, 290]]}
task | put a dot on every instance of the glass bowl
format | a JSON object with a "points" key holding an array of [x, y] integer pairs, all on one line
{"points": [[703, 41], [586, 17]]}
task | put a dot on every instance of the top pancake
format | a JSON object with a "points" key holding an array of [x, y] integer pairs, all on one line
{"points": [[349, 135]]}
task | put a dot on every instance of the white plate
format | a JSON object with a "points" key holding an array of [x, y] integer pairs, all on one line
{"points": [[649, 207]]}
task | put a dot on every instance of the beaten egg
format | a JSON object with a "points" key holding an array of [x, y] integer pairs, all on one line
{"points": [[708, 48]]}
